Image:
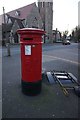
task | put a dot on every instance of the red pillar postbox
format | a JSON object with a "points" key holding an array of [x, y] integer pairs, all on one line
{"points": [[31, 60]]}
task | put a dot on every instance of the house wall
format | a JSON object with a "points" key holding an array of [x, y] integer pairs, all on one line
{"points": [[15, 26], [14, 37]]}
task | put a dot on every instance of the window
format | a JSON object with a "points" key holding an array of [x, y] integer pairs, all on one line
{"points": [[9, 20], [6, 18], [49, 4], [17, 13], [43, 4]]}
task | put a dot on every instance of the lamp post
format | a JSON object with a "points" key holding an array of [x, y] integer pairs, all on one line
{"points": [[7, 41]]}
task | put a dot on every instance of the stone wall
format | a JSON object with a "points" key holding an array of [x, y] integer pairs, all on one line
{"points": [[48, 21], [46, 12], [0, 35], [34, 19]]}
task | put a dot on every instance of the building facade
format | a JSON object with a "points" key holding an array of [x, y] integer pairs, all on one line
{"points": [[46, 13], [30, 16], [25, 17]]}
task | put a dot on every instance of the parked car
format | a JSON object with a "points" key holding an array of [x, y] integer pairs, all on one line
{"points": [[66, 42]]}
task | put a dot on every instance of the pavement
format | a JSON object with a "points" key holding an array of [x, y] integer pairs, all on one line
{"points": [[50, 103]]}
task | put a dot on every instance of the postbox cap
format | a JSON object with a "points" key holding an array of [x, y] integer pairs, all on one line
{"points": [[31, 31]]}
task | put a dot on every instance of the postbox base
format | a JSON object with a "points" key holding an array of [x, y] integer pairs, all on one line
{"points": [[31, 89]]}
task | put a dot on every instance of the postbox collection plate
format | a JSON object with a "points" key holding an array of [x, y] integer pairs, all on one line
{"points": [[27, 49]]}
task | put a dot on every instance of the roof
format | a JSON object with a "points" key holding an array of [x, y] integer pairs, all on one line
{"points": [[19, 21], [23, 11]]}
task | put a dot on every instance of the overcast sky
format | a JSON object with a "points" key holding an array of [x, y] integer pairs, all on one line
{"points": [[65, 12]]}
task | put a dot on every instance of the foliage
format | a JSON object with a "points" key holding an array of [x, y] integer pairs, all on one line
{"points": [[76, 34], [65, 33]]}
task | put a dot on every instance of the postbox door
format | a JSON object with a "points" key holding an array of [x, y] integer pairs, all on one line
{"points": [[31, 62], [36, 61], [26, 62]]}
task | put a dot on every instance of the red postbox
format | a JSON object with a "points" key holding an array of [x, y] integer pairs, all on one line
{"points": [[31, 60]]}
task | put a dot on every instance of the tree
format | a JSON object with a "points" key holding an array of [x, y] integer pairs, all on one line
{"points": [[72, 35], [76, 34], [65, 33]]}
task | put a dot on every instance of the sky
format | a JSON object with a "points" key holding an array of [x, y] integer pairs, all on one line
{"points": [[65, 12]]}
